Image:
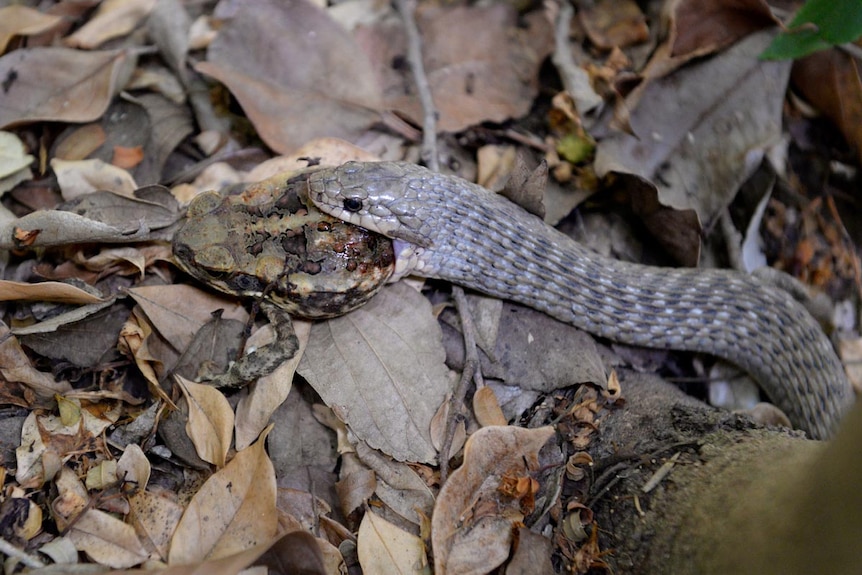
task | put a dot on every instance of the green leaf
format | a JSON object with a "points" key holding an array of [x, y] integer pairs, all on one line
{"points": [[819, 24]]}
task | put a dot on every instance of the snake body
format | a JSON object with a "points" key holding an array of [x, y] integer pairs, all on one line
{"points": [[447, 228]]}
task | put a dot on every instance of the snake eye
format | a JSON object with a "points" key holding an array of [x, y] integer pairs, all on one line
{"points": [[352, 204]]}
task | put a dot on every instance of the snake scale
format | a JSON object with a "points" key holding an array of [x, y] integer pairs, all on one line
{"points": [[447, 228]]}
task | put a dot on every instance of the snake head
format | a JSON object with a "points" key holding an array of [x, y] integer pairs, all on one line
{"points": [[384, 197]]}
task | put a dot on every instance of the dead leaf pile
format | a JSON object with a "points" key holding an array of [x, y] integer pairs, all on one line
{"points": [[114, 114]]}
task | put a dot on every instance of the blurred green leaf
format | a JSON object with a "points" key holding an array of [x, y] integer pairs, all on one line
{"points": [[819, 24]]}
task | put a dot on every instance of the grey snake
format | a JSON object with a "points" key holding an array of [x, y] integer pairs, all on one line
{"points": [[447, 228]]}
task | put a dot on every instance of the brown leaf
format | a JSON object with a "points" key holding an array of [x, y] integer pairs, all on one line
{"points": [[831, 81], [19, 20], [179, 311], [254, 411], [154, 517], [210, 424], [296, 73], [84, 177], [385, 548], [398, 485], [113, 19], [700, 27], [15, 367], [487, 408], [614, 24], [80, 143], [472, 523], [380, 368], [481, 64], [59, 84], [107, 540], [234, 510], [46, 291], [700, 132]]}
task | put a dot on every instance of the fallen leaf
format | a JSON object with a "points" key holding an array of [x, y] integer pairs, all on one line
{"points": [[487, 408], [471, 529], [80, 142], [700, 27], [385, 548], [254, 411], [113, 19], [179, 311], [233, 511], [399, 485], [614, 24], [831, 81], [296, 73], [107, 540], [16, 368], [380, 368], [210, 424], [84, 177], [155, 517], [46, 291], [85, 336], [60, 85], [699, 133], [482, 62], [13, 155], [16, 20]]}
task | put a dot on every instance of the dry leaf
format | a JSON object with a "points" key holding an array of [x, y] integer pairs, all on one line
{"points": [[84, 336], [98, 217], [701, 132], [399, 485], [80, 142], [113, 19], [15, 367], [385, 548], [487, 408], [59, 84], [832, 81], [703, 26], [210, 424], [380, 368], [46, 291], [16, 20], [133, 466], [614, 24], [155, 517], [473, 521], [233, 511], [296, 73], [107, 540], [13, 155], [254, 411], [87, 176], [179, 311], [482, 63]]}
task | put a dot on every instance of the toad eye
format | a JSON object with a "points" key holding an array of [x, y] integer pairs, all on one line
{"points": [[352, 204]]}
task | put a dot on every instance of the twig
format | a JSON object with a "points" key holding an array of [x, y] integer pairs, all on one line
{"points": [[469, 371], [414, 56], [430, 156], [6, 548]]}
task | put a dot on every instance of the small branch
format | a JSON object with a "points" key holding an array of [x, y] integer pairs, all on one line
{"points": [[414, 56], [469, 371], [6, 548]]}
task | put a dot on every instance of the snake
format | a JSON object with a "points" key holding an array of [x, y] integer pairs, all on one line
{"points": [[447, 228]]}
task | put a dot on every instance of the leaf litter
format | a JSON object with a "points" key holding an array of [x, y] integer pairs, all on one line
{"points": [[205, 95]]}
